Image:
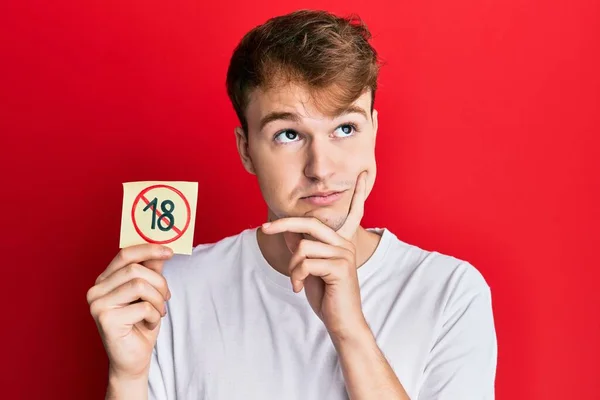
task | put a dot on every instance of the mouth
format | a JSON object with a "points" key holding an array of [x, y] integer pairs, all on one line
{"points": [[323, 198]]}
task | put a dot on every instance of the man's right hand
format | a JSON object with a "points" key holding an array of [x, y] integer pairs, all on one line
{"points": [[128, 302]]}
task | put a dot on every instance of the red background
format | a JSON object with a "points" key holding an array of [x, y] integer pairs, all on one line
{"points": [[488, 151]]}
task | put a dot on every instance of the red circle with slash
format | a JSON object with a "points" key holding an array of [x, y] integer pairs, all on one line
{"points": [[141, 196]]}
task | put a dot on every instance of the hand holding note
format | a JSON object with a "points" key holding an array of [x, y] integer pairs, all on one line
{"points": [[128, 299], [127, 303]]}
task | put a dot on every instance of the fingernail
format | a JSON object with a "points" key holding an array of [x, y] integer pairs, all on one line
{"points": [[167, 251], [169, 295], [266, 224]]}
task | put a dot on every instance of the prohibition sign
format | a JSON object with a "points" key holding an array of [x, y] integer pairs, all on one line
{"points": [[179, 232]]}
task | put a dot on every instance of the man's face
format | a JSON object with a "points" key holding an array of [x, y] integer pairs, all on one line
{"points": [[307, 163]]}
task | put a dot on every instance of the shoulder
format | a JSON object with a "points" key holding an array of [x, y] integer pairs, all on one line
{"points": [[434, 273]]}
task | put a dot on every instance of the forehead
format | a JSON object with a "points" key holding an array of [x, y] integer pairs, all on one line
{"points": [[296, 98]]}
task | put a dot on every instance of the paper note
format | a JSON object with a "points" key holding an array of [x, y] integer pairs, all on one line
{"points": [[162, 212]]}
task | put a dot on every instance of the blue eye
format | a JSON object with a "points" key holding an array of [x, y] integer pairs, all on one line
{"points": [[286, 136], [289, 135], [346, 130]]}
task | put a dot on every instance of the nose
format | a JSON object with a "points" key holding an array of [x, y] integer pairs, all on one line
{"points": [[320, 163]]}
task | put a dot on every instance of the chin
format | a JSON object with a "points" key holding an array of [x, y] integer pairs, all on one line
{"points": [[332, 218]]}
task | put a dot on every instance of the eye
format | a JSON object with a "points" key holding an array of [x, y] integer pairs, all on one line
{"points": [[346, 130], [286, 136]]}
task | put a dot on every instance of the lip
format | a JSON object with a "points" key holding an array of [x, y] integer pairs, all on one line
{"points": [[323, 198]]}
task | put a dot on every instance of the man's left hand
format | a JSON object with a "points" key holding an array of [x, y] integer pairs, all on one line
{"points": [[326, 267]]}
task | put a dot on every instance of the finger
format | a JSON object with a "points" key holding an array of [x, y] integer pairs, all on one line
{"points": [[126, 274], [314, 287], [137, 254], [154, 265], [328, 270], [306, 225], [127, 293], [357, 208], [313, 249], [130, 315]]}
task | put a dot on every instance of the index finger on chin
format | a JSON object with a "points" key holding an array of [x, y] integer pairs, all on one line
{"points": [[357, 208]]}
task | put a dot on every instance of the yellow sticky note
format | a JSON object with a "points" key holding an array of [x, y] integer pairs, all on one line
{"points": [[160, 212]]}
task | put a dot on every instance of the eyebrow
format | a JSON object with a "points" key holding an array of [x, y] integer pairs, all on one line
{"points": [[290, 116]]}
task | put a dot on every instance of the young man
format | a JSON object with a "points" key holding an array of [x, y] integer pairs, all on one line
{"points": [[310, 305]]}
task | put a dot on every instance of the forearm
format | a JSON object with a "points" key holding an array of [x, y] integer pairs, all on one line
{"points": [[367, 373], [121, 389]]}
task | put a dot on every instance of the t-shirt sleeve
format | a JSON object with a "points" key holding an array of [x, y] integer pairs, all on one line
{"points": [[462, 361]]}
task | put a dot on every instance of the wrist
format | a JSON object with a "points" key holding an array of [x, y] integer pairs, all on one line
{"points": [[127, 387], [357, 336]]}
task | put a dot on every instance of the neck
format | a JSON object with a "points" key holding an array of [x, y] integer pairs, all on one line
{"points": [[277, 254]]}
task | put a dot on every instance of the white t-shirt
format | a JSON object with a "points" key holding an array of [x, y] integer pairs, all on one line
{"points": [[236, 330]]}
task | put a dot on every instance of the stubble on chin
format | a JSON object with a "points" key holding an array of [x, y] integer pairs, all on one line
{"points": [[334, 222]]}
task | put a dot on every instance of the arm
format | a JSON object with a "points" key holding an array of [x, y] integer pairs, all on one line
{"points": [[367, 373], [123, 389]]}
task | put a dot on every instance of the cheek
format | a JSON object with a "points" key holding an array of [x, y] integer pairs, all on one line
{"points": [[367, 163], [266, 176], [267, 181], [372, 174], [275, 185]]}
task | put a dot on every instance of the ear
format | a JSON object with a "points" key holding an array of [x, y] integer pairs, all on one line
{"points": [[375, 124], [242, 145]]}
